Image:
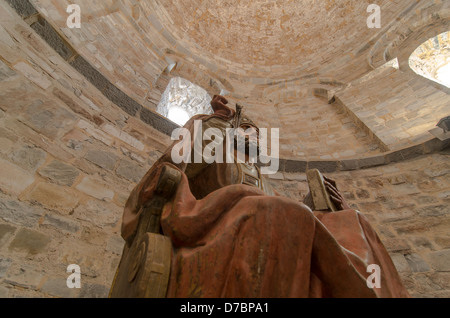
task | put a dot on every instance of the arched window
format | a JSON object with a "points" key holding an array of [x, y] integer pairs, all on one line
{"points": [[182, 100], [432, 59]]}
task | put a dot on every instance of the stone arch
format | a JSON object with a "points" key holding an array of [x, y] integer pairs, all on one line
{"points": [[182, 100], [198, 74], [299, 88], [431, 56], [401, 39]]}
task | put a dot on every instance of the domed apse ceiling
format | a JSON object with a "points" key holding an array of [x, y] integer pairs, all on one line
{"points": [[271, 55], [255, 41], [277, 39], [265, 34]]}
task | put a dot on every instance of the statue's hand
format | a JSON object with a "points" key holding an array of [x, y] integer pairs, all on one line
{"points": [[335, 195]]}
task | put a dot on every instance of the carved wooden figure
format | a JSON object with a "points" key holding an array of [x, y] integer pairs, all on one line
{"points": [[220, 230]]}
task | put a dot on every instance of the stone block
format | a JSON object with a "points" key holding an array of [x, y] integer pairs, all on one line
{"points": [[16, 212], [416, 263], [445, 195], [437, 171], [23, 7], [28, 158], [123, 136], [63, 224], [350, 164], [295, 166], [121, 198], [91, 73], [423, 199], [362, 194], [39, 140], [434, 210], [13, 178], [47, 118], [5, 72], [400, 263], [323, 166], [4, 291], [421, 243], [432, 145], [276, 176], [440, 260], [133, 155], [153, 156], [99, 213], [405, 189], [89, 102], [6, 232], [103, 159], [75, 139], [158, 122], [399, 179], [130, 171], [371, 162], [94, 132], [94, 236], [395, 214], [58, 287], [49, 34], [5, 263], [75, 107], [6, 39], [94, 291], [412, 152], [395, 245], [115, 245], [30, 242], [295, 177], [422, 225], [126, 103], [36, 77], [95, 188], [60, 173], [24, 276], [53, 197], [6, 144]]}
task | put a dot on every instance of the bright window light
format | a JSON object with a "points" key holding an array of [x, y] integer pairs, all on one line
{"points": [[182, 100], [443, 74], [178, 115], [432, 59]]}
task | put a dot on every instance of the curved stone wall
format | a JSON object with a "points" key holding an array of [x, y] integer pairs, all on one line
{"points": [[77, 135]]}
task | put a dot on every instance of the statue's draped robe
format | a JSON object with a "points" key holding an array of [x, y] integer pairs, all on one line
{"points": [[239, 242]]}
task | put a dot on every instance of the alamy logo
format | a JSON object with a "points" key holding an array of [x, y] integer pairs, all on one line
{"points": [[254, 146], [74, 279], [374, 20], [73, 20], [374, 280]]}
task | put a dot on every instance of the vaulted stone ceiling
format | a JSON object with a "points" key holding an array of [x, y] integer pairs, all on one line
{"points": [[232, 41], [276, 57], [275, 37]]}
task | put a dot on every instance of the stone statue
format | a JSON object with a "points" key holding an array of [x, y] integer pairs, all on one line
{"points": [[220, 230]]}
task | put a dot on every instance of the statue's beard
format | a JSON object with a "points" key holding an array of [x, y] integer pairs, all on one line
{"points": [[248, 144]]}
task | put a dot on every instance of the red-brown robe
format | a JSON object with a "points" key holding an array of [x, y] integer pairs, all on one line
{"points": [[239, 242]]}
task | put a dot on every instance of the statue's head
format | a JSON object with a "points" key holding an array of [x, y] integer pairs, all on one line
{"points": [[220, 108], [249, 131], [246, 130]]}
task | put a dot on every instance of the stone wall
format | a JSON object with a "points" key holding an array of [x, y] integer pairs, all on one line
{"points": [[69, 158], [398, 107], [71, 151], [311, 128], [408, 203]]}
